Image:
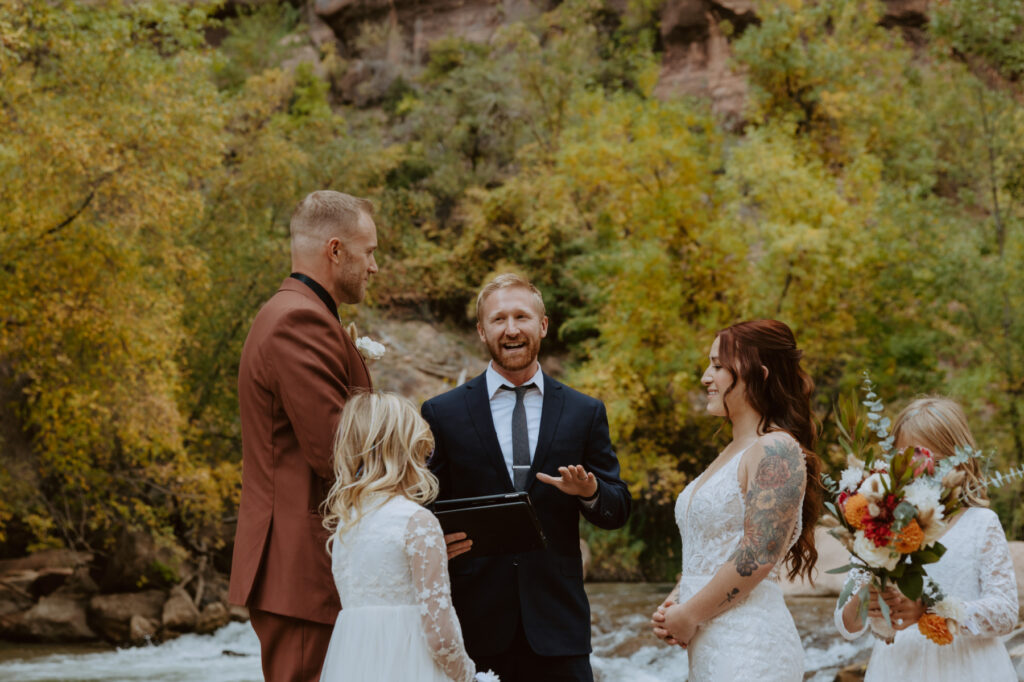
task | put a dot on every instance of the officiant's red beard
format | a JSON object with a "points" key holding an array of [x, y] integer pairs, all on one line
{"points": [[514, 354]]}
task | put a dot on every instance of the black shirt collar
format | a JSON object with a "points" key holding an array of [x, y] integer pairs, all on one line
{"points": [[318, 290]]}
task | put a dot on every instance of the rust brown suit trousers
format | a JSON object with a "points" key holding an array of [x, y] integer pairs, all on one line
{"points": [[298, 367]]}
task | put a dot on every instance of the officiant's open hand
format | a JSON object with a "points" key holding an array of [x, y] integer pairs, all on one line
{"points": [[457, 543], [574, 480]]}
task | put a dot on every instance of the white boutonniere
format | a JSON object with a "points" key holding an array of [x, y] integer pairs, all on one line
{"points": [[370, 349]]}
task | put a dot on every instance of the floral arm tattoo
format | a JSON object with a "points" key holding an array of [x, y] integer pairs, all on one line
{"points": [[772, 505]]}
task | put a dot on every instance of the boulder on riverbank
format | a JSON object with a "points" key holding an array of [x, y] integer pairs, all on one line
{"points": [[55, 618], [111, 614]]}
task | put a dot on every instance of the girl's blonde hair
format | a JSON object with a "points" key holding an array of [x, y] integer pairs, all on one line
{"points": [[381, 447], [940, 425]]}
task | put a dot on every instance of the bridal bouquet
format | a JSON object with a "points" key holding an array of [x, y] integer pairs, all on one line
{"points": [[889, 509]]}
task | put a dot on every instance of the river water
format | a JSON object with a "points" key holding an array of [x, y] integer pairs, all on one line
{"points": [[624, 649]]}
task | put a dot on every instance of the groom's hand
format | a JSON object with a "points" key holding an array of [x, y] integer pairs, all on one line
{"points": [[457, 543], [574, 480]]}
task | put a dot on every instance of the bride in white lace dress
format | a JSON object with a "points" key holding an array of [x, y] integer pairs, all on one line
{"points": [[976, 568], [751, 510], [388, 554]]}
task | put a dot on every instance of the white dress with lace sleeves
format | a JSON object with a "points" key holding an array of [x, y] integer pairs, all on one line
{"points": [[396, 622], [428, 561], [994, 611], [977, 569]]}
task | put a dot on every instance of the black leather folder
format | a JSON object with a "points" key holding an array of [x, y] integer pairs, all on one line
{"points": [[497, 524]]}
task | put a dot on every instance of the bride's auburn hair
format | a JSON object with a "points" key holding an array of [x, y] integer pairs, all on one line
{"points": [[783, 400], [381, 448]]}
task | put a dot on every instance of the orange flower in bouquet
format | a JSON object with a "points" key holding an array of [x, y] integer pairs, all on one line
{"points": [[934, 627], [910, 538], [854, 510]]}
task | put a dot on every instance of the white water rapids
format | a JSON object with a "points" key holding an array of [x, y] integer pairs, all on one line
{"points": [[624, 650]]}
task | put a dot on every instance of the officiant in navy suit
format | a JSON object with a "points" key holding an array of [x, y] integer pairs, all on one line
{"points": [[525, 616]]}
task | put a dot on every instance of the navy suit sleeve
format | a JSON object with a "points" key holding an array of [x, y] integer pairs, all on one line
{"points": [[613, 500], [438, 462]]}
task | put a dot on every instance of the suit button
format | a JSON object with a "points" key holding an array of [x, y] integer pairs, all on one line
{"points": [[515, 563]]}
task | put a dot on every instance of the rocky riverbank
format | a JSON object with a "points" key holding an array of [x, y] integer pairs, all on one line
{"points": [[144, 594], [58, 596]]}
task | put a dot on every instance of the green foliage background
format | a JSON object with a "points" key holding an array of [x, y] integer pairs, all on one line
{"points": [[874, 200]]}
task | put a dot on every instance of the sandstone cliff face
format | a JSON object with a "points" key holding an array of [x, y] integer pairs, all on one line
{"points": [[422, 21], [696, 57], [697, 52]]}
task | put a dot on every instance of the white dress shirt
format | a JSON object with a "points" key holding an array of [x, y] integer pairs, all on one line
{"points": [[502, 404]]}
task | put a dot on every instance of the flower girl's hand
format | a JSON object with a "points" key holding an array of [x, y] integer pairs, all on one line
{"points": [[658, 623], [874, 610], [903, 612]]}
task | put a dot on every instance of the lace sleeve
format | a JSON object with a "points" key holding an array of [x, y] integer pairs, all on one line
{"points": [[424, 545], [994, 612], [856, 579]]}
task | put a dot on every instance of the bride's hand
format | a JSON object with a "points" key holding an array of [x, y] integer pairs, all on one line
{"points": [[679, 624], [658, 623]]}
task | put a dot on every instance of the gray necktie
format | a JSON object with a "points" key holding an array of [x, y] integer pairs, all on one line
{"points": [[520, 438]]}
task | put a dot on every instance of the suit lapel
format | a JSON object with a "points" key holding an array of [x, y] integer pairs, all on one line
{"points": [[479, 407], [550, 414]]}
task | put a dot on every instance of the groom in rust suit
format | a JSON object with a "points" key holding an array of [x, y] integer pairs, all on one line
{"points": [[297, 369]]}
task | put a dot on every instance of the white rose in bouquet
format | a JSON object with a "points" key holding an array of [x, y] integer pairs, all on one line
{"points": [[877, 557]]}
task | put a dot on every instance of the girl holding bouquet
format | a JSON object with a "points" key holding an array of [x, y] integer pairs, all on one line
{"points": [[751, 511], [975, 570]]}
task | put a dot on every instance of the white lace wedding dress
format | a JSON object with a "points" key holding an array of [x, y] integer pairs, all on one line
{"points": [[977, 569], [397, 623], [755, 639]]}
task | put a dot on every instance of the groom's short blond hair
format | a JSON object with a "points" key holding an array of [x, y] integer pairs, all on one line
{"points": [[507, 281], [325, 213]]}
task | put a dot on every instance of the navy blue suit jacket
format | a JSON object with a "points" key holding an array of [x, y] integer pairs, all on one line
{"points": [[543, 588]]}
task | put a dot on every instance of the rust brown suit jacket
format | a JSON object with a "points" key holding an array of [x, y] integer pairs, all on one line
{"points": [[297, 369]]}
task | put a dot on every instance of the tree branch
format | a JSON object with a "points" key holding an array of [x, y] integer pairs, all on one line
{"points": [[71, 218]]}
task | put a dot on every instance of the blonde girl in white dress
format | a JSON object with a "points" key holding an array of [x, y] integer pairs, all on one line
{"points": [[976, 568], [388, 554]]}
